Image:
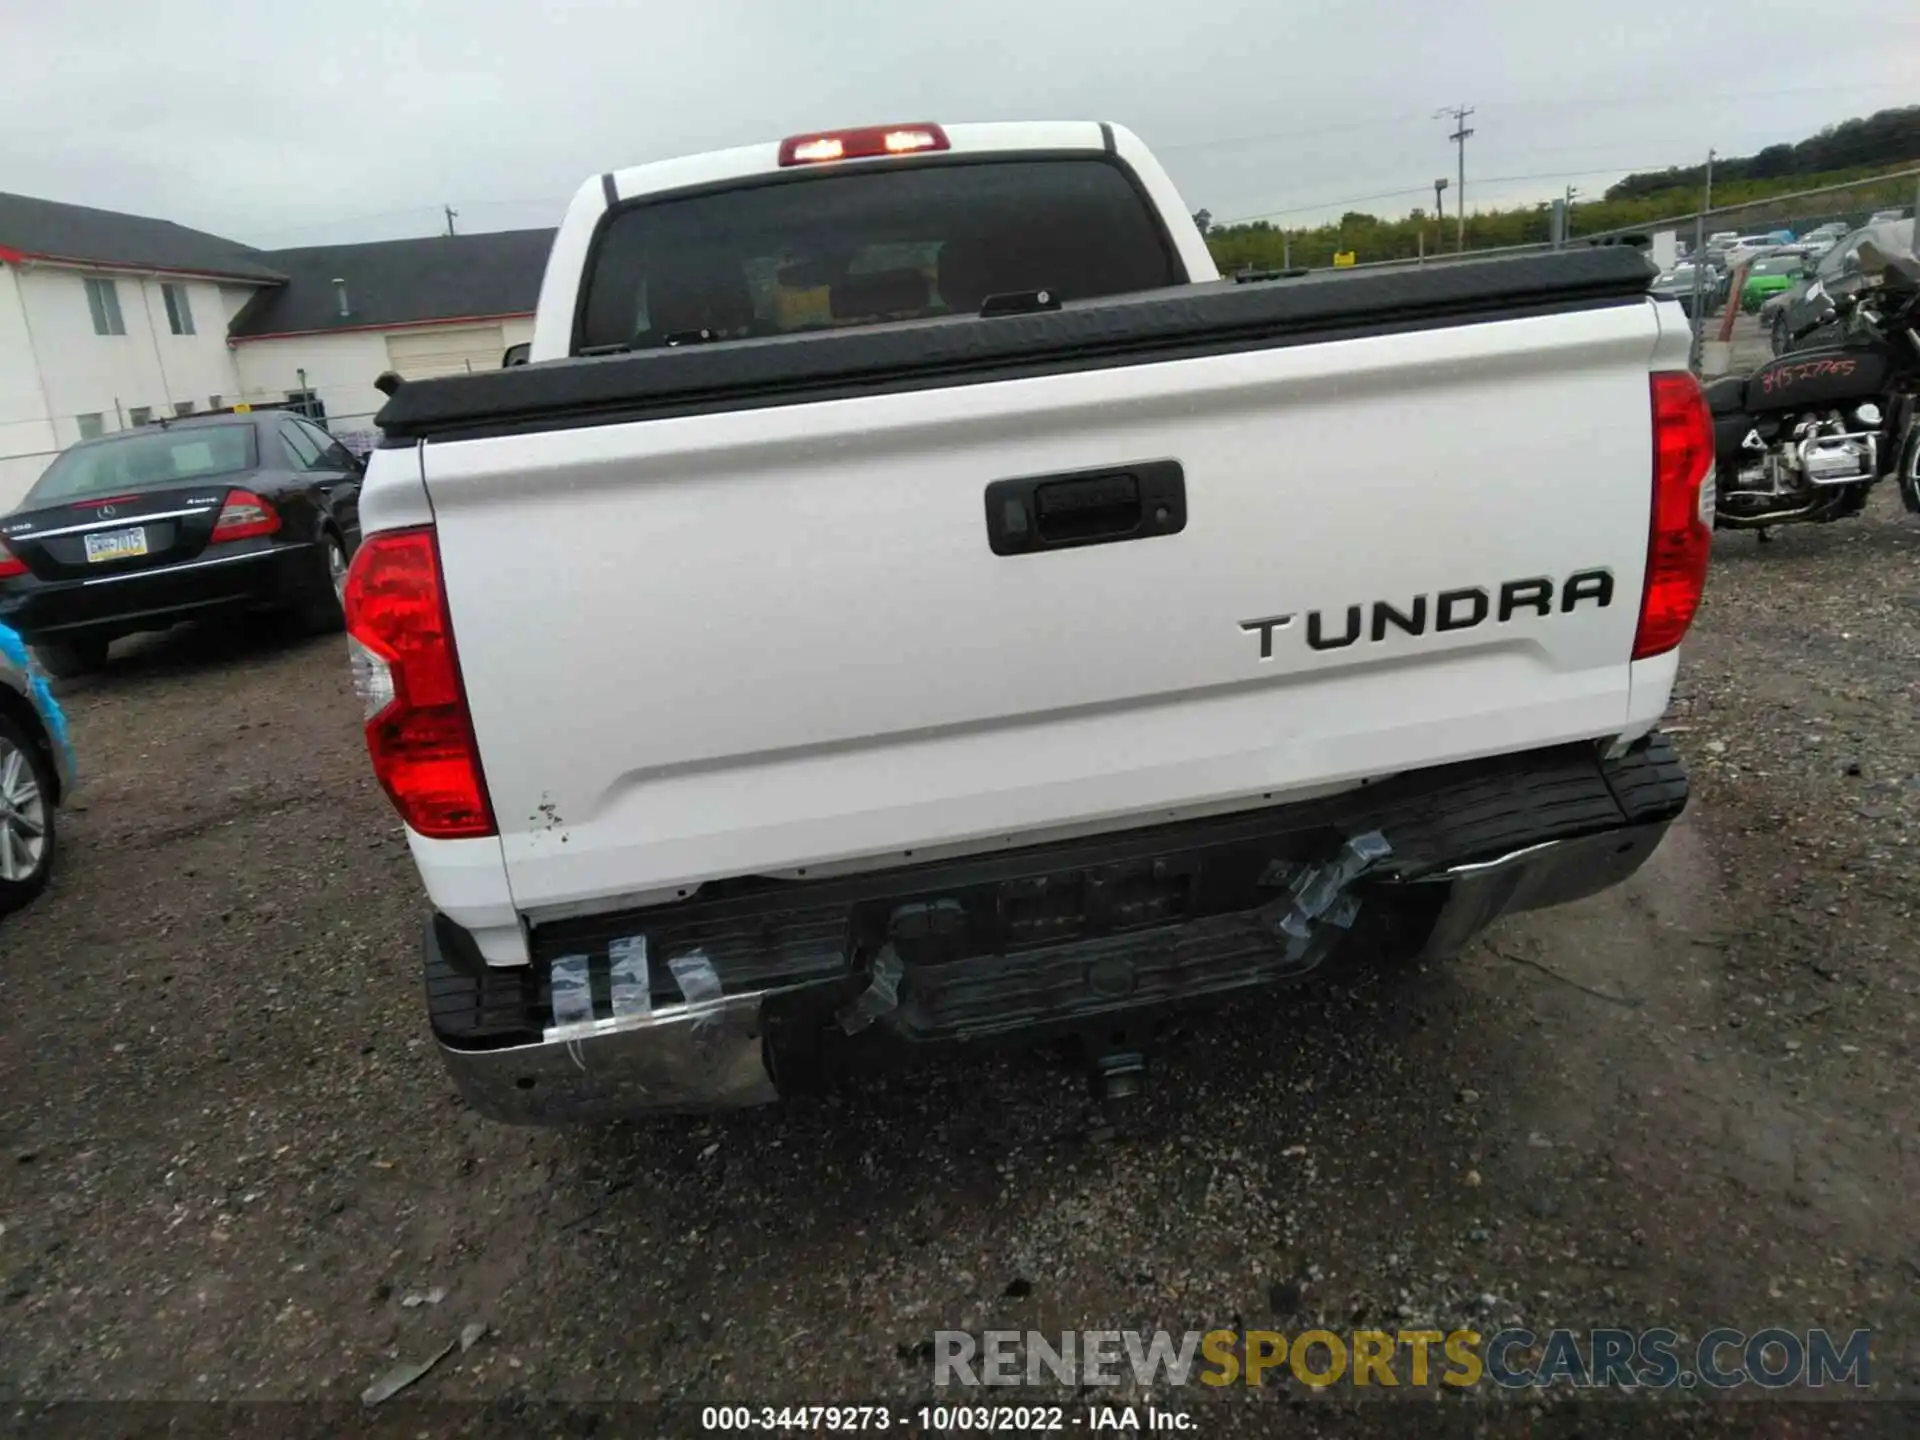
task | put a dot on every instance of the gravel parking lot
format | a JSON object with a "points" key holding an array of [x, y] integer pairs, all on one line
{"points": [[235, 1170], [1748, 346]]}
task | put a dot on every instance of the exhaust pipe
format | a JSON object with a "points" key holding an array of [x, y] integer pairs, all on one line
{"points": [[1772, 517]]}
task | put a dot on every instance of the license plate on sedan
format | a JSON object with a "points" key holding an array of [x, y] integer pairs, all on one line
{"points": [[116, 544]]}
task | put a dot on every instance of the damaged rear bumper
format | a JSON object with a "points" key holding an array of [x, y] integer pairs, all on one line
{"points": [[717, 1001]]}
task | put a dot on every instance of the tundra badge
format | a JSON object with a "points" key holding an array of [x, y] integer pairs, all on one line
{"points": [[1460, 609]]}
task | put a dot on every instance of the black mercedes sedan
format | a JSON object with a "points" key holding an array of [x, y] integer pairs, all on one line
{"points": [[175, 521]]}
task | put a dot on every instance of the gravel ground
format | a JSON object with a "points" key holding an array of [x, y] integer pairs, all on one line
{"points": [[1748, 344], [235, 1171]]}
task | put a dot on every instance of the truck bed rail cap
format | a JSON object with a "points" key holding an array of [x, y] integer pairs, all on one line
{"points": [[1222, 315]]}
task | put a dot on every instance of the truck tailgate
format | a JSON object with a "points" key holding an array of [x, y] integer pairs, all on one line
{"points": [[772, 639]]}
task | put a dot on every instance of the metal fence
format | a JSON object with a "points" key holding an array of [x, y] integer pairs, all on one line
{"points": [[1798, 211], [20, 468], [1818, 206], [356, 432], [1722, 338]]}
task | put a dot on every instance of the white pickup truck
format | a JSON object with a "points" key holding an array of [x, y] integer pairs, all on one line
{"points": [[909, 599]]}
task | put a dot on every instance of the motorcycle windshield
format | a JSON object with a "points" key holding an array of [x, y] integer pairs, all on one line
{"points": [[1887, 244]]}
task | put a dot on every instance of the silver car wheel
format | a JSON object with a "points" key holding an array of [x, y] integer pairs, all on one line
{"points": [[337, 568], [23, 816]]}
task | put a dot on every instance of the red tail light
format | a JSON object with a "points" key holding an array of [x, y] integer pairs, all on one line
{"points": [[419, 731], [862, 144], [1681, 536], [244, 516], [10, 563]]}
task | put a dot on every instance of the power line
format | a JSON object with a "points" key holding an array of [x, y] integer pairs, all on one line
{"points": [[1423, 189], [557, 203], [1324, 205], [1640, 102], [343, 220], [1316, 131]]}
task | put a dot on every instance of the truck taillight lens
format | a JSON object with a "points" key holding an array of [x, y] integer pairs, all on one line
{"points": [[244, 516], [10, 563], [863, 144], [419, 731], [1681, 535]]}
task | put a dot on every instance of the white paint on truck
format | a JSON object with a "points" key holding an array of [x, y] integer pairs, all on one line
{"points": [[774, 640]]}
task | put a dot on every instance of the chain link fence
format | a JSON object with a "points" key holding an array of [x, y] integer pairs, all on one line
{"points": [[1734, 327], [1760, 258]]}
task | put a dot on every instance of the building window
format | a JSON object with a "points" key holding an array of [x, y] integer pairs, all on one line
{"points": [[103, 299], [183, 407], [179, 312], [92, 427], [305, 402], [213, 402], [139, 415]]}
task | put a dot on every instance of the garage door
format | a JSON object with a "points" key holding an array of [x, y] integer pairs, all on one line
{"points": [[422, 354]]}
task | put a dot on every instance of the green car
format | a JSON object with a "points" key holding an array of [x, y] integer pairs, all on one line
{"points": [[1772, 276]]}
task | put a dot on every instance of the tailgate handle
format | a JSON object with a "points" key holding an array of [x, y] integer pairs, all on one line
{"points": [[1086, 507]]}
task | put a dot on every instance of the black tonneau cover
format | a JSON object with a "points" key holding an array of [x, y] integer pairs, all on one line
{"points": [[957, 350]]}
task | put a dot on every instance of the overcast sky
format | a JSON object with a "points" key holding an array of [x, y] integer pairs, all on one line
{"points": [[356, 119]]}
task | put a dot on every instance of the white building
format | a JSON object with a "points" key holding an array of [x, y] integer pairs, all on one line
{"points": [[433, 306], [110, 320]]}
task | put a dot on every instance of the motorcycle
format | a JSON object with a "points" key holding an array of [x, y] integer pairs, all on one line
{"points": [[1805, 438]]}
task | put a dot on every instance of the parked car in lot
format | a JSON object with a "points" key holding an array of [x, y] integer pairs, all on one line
{"points": [[1885, 217], [1771, 276], [1788, 314], [883, 616], [1748, 248], [36, 774], [176, 521], [1677, 284]]}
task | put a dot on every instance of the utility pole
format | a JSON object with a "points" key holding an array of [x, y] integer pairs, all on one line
{"points": [[1459, 137], [1695, 351], [451, 213]]}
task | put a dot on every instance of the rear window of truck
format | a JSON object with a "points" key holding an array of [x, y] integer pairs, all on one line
{"points": [[866, 246]]}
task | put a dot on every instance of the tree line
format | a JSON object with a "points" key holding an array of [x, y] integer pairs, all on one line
{"points": [[1260, 245], [1883, 140]]}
